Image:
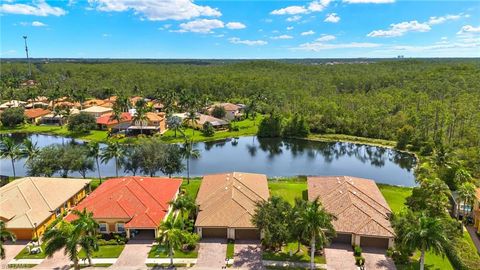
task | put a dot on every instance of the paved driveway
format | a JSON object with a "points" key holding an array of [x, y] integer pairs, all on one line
{"points": [[59, 261], [211, 254], [11, 250], [134, 255], [376, 259], [248, 255], [340, 257]]}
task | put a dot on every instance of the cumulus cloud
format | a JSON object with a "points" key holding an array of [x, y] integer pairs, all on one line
{"points": [[289, 28], [319, 46], [235, 25], [38, 24], [324, 38], [201, 26], [314, 6], [37, 8], [282, 37], [442, 19], [468, 29], [399, 29], [332, 18], [294, 18], [307, 33], [236, 40], [368, 1], [157, 10]]}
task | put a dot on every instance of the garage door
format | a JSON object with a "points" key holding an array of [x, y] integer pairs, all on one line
{"points": [[142, 234], [374, 242], [343, 238], [247, 234], [214, 232]]}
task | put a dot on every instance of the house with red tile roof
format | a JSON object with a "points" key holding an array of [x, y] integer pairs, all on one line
{"points": [[34, 115], [106, 121], [133, 205]]}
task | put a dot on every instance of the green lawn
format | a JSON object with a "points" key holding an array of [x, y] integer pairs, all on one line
{"points": [[107, 251], [24, 254], [158, 251], [396, 197], [349, 138], [94, 135], [284, 255], [230, 249], [192, 188], [288, 190]]}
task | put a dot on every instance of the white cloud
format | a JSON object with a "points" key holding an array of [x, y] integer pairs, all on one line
{"points": [[37, 8], [308, 33], [289, 28], [468, 29], [157, 10], [318, 46], [400, 29], [201, 26], [235, 25], [314, 6], [368, 1], [324, 38], [105, 35], [8, 53], [438, 20], [38, 24], [294, 18], [332, 18], [236, 40], [282, 37], [165, 27]]}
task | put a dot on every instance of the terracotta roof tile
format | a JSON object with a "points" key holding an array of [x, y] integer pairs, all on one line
{"points": [[37, 112], [107, 119]]}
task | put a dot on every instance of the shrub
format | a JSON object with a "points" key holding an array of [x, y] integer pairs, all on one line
{"points": [[82, 123], [12, 117], [357, 251], [218, 112], [462, 255], [208, 129], [359, 261], [270, 127]]}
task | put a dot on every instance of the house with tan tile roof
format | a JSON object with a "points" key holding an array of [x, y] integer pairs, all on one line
{"points": [[28, 205], [97, 111], [363, 215], [227, 203]]}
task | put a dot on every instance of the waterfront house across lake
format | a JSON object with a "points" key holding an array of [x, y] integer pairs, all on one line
{"points": [[135, 205], [28, 205], [361, 210], [227, 203]]}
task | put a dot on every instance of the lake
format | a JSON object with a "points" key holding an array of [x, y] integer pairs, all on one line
{"points": [[273, 157]]}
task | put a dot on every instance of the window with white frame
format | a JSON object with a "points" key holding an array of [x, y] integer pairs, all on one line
{"points": [[103, 227], [120, 227]]}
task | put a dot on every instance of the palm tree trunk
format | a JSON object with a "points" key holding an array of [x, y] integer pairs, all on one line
{"points": [[89, 261], [116, 166], [98, 169], [188, 170], [13, 168], [171, 256], [298, 246], [422, 259], [76, 266], [312, 253]]}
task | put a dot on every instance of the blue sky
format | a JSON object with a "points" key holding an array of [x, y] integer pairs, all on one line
{"points": [[240, 29]]}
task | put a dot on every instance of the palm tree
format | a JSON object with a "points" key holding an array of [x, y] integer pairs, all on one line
{"points": [[113, 151], [116, 114], [175, 123], [64, 236], [94, 151], [4, 235], [189, 152], [172, 236], [140, 113], [425, 233], [183, 204], [466, 194], [30, 149], [192, 118], [317, 224], [9, 149], [88, 226], [296, 221]]}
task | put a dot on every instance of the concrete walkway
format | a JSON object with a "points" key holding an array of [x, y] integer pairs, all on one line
{"points": [[376, 259], [473, 234], [211, 254], [293, 264], [248, 255], [59, 261], [134, 255], [11, 250]]}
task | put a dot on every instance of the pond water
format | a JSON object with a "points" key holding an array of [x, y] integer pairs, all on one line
{"points": [[273, 157]]}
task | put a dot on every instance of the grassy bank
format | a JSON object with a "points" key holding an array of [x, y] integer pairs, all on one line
{"points": [[94, 135], [349, 138]]}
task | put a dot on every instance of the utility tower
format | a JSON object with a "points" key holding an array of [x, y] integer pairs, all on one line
{"points": [[28, 59]]}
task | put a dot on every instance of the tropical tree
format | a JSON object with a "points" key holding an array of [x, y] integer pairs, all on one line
{"points": [[175, 123], [432, 196], [95, 152], [172, 236], [88, 226], [140, 113], [29, 149], [10, 149], [189, 152], [4, 235], [113, 151], [171, 160], [316, 222], [419, 231], [192, 119], [132, 160], [466, 194], [184, 204], [296, 229]]}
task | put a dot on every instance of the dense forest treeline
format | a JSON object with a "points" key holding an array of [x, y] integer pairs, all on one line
{"points": [[422, 102]]}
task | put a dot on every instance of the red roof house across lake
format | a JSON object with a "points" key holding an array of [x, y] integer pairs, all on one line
{"points": [[132, 205]]}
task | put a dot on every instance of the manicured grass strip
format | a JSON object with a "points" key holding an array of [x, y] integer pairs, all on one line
{"points": [[288, 190], [284, 255], [230, 249], [159, 251], [192, 188], [107, 251], [94, 135], [432, 262], [395, 196], [24, 254]]}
